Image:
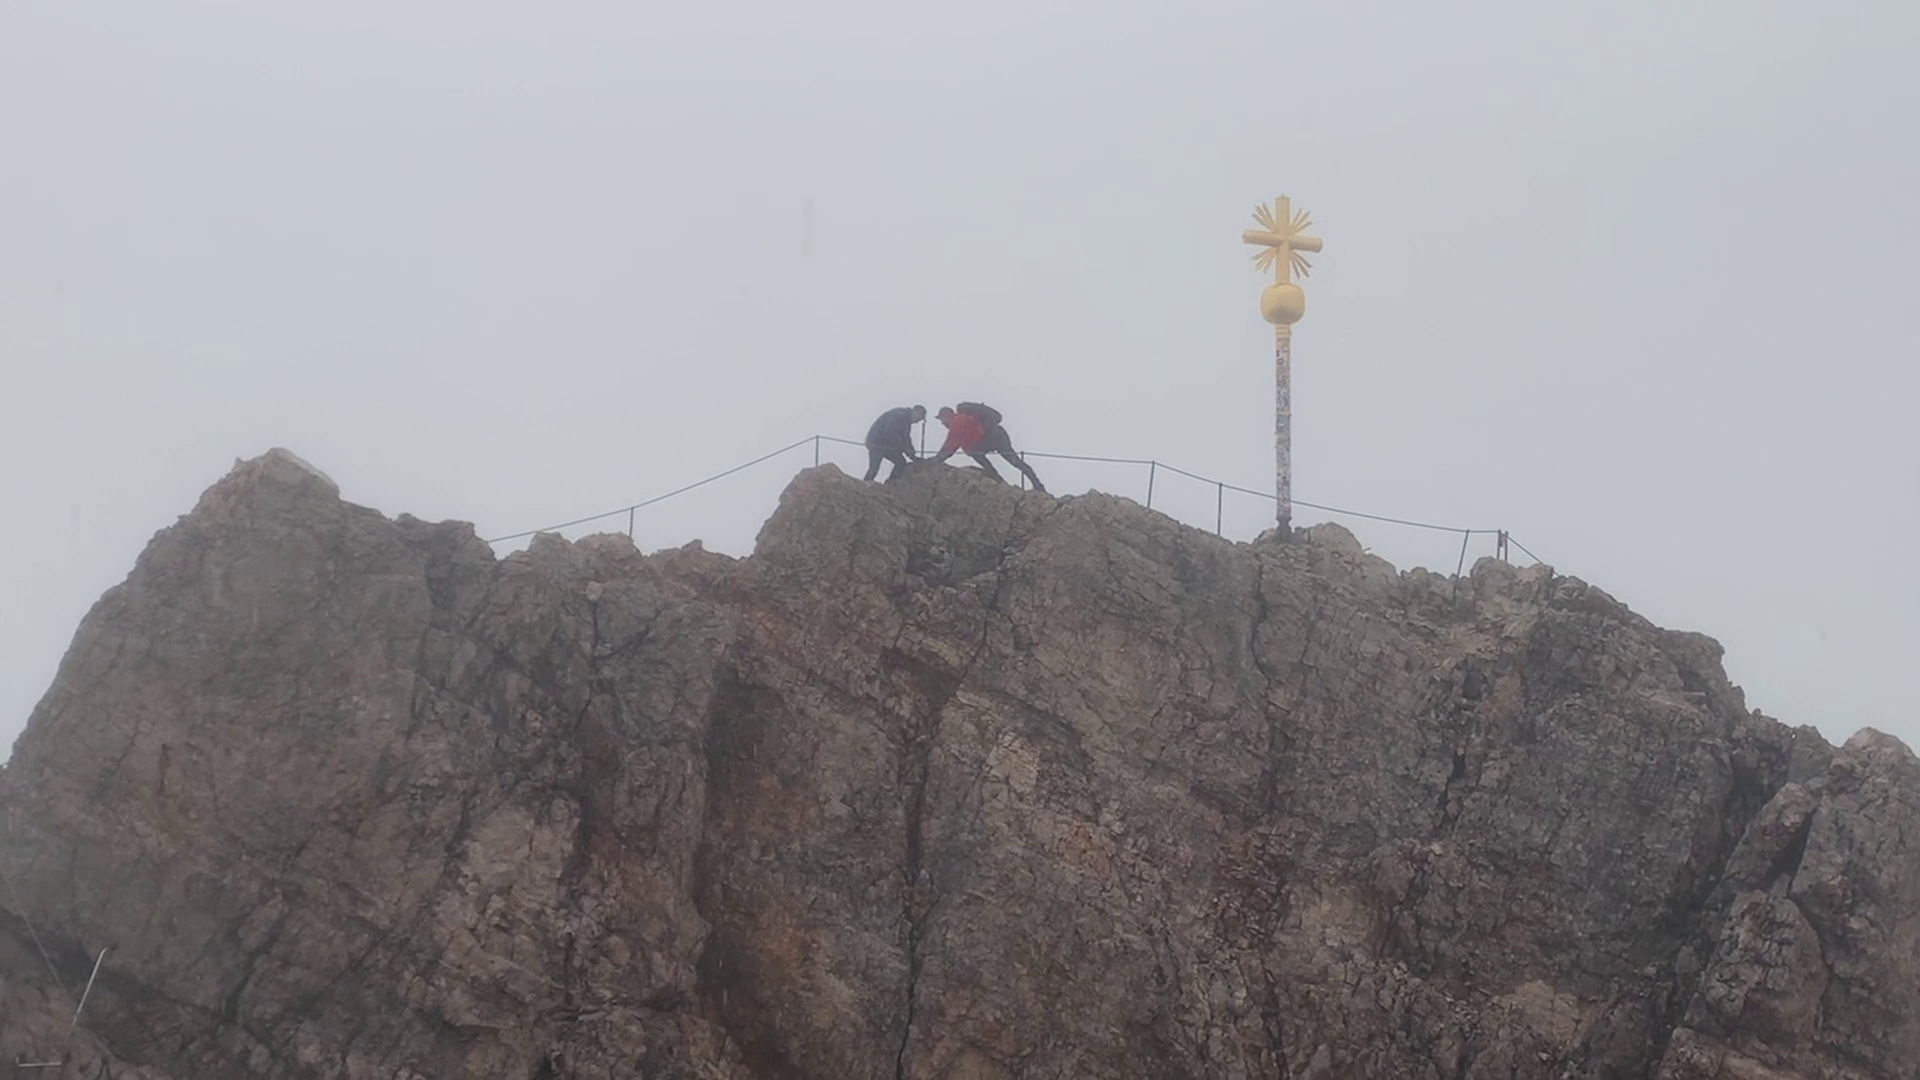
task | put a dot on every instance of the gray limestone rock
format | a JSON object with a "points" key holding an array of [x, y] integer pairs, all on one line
{"points": [[947, 780]]}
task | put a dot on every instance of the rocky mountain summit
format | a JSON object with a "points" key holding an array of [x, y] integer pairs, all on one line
{"points": [[946, 781]]}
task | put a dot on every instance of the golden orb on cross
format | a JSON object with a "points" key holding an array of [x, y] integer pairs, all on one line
{"points": [[1282, 305], [1282, 244]]}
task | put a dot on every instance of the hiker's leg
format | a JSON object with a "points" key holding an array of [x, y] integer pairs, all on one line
{"points": [[999, 442], [1021, 464], [900, 463], [981, 460], [875, 456]]}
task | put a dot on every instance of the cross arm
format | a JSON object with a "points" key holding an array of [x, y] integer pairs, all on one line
{"points": [[1274, 240]]}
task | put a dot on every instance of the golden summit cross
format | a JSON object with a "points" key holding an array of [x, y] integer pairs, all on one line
{"points": [[1279, 236], [1283, 243]]}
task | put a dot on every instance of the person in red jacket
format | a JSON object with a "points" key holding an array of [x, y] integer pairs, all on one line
{"points": [[966, 434]]}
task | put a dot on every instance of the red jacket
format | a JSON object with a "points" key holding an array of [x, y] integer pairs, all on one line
{"points": [[964, 433]]}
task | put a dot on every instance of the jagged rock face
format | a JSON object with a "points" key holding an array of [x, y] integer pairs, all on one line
{"points": [[947, 781]]}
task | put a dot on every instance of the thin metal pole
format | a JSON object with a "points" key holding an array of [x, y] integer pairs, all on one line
{"points": [[1219, 505], [1152, 467], [1465, 535], [83, 994], [630, 511], [816, 449], [1283, 426]]}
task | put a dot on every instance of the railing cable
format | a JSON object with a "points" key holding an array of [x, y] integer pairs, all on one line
{"points": [[1221, 487]]}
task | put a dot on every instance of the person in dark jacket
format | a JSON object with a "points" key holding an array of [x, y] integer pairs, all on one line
{"points": [[968, 434], [891, 439]]}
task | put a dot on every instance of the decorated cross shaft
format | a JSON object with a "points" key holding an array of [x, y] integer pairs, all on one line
{"points": [[1282, 242]]}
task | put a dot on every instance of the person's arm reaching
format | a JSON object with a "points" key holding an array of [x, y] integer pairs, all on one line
{"points": [[948, 448]]}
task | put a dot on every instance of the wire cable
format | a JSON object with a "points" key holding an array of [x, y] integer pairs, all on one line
{"points": [[1219, 484], [1523, 548], [1270, 496], [21, 909], [657, 498], [1084, 457]]}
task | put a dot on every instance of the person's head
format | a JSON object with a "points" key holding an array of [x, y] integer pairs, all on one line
{"points": [[919, 413], [946, 416]]}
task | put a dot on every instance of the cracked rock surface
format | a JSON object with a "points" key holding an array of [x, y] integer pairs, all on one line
{"points": [[946, 781]]}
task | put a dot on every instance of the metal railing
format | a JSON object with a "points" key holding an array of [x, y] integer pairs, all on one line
{"points": [[1503, 539]]}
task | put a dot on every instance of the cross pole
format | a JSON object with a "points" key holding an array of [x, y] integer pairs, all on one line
{"points": [[1282, 243]]}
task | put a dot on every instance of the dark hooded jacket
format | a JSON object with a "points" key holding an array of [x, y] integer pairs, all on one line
{"points": [[893, 431]]}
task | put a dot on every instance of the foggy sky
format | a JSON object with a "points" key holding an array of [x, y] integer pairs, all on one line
{"points": [[1630, 279]]}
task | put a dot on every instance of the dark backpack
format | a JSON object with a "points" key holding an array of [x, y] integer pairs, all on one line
{"points": [[986, 414]]}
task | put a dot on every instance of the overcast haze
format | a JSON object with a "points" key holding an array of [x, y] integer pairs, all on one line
{"points": [[1632, 280]]}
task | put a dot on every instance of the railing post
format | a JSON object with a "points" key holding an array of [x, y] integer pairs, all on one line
{"points": [[630, 511], [1152, 467], [1219, 505], [1503, 546], [816, 450]]}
